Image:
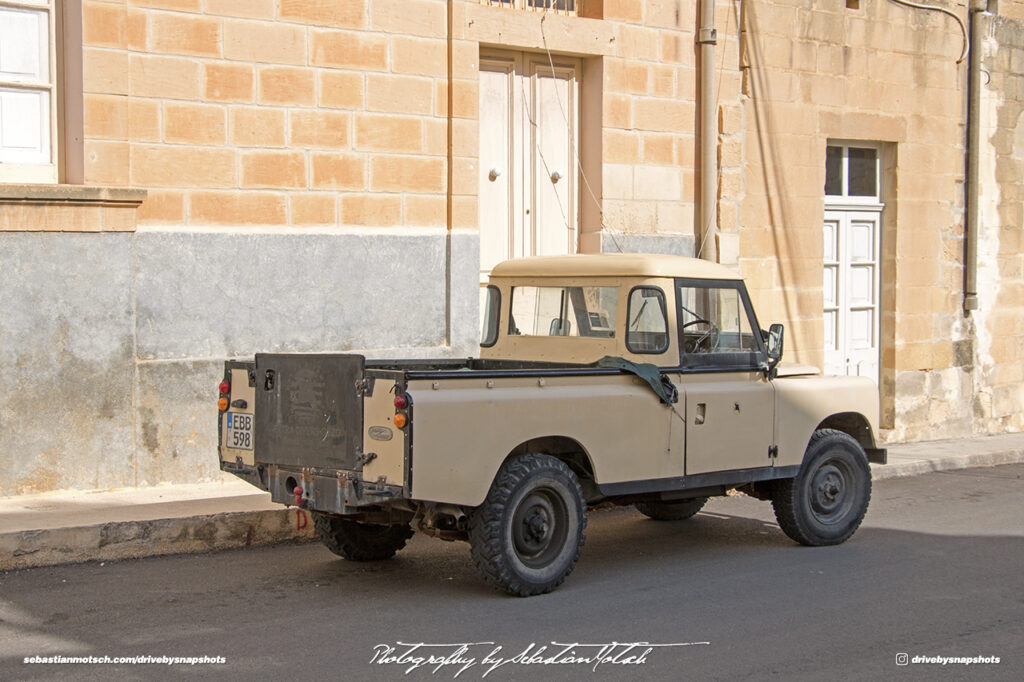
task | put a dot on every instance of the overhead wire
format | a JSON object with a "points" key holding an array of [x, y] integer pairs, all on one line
{"points": [[540, 153], [933, 8], [575, 146], [706, 228]]}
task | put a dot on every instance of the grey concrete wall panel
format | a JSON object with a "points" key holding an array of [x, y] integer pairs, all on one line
{"points": [[67, 360], [668, 244], [176, 429], [465, 294], [112, 344], [211, 295], [206, 296]]}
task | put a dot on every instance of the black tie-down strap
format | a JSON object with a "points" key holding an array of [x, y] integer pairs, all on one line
{"points": [[659, 383]]}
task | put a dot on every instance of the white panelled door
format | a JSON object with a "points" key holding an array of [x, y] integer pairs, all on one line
{"points": [[851, 292], [529, 117], [500, 225]]}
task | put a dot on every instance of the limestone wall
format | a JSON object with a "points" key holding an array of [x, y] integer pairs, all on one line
{"points": [[309, 176], [999, 321]]}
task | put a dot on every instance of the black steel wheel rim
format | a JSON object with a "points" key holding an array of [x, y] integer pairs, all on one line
{"points": [[539, 527], [831, 491]]}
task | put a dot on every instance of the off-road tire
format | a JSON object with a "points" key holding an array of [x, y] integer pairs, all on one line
{"points": [[360, 541], [671, 511], [526, 536], [827, 500]]}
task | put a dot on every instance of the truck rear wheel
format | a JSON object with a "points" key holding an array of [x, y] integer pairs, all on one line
{"points": [[526, 536], [671, 511], [360, 541], [827, 500]]}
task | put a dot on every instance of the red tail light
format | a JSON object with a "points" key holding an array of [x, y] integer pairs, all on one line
{"points": [[225, 387], [401, 401]]}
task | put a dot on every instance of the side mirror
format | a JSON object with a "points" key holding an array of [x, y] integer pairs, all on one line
{"points": [[773, 342]]}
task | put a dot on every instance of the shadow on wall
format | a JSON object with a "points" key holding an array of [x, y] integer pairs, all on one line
{"points": [[772, 167]]}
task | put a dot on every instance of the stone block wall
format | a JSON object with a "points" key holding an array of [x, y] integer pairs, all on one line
{"points": [[887, 74], [999, 320], [306, 177], [275, 113]]}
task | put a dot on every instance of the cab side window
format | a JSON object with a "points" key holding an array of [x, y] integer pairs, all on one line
{"points": [[715, 326], [563, 311], [646, 321]]}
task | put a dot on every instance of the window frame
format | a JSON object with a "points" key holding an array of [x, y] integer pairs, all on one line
{"points": [[732, 361], [20, 172], [845, 199], [495, 331], [664, 316], [514, 330]]}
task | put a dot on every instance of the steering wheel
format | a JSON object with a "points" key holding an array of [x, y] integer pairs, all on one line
{"points": [[709, 339]]}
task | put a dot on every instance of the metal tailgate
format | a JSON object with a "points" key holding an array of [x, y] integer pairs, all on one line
{"points": [[309, 410]]}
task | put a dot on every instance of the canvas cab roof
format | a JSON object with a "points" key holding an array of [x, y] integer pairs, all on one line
{"points": [[612, 264]]}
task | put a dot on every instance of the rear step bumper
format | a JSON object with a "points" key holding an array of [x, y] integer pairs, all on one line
{"points": [[331, 492]]}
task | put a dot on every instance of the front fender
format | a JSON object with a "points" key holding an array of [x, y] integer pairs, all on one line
{"points": [[805, 402]]}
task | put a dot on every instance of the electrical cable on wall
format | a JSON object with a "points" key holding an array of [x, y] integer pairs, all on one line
{"points": [[575, 147], [933, 8], [533, 133]]}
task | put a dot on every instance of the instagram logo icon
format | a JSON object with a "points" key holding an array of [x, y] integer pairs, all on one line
{"points": [[902, 659]]}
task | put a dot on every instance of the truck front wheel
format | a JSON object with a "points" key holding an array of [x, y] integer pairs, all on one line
{"points": [[827, 500], [360, 541], [526, 536]]}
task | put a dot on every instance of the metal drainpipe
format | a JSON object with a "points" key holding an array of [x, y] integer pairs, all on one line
{"points": [[973, 189], [706, 213]]}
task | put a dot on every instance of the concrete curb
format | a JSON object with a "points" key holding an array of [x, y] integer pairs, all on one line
{"points": [[917, 467], [136, 539]]}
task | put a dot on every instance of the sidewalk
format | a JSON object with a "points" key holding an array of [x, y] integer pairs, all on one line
{"points": [[57, 528]]}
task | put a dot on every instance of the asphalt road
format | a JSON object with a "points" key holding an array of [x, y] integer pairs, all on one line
{"points": [[937, 569]]}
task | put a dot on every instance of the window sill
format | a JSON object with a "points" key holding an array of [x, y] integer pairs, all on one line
{"points": [[68, 208]]}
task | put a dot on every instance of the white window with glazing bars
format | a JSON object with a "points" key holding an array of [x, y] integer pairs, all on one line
{"points": [[28, 106]]}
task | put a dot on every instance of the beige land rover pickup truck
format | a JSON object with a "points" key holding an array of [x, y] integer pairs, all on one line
{"points": [[634, 379]]}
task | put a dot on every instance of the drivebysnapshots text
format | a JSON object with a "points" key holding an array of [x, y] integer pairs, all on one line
{"points": [[907, 659]]}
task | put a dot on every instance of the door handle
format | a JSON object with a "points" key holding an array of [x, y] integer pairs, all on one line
{"points": [[555, 177], [494, 174]]}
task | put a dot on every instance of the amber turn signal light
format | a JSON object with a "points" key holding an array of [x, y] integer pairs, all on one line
{"points": [[400, 420], [222, 404]]}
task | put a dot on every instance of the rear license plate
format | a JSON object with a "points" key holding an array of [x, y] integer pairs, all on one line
{"points": [[238, 431]]}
